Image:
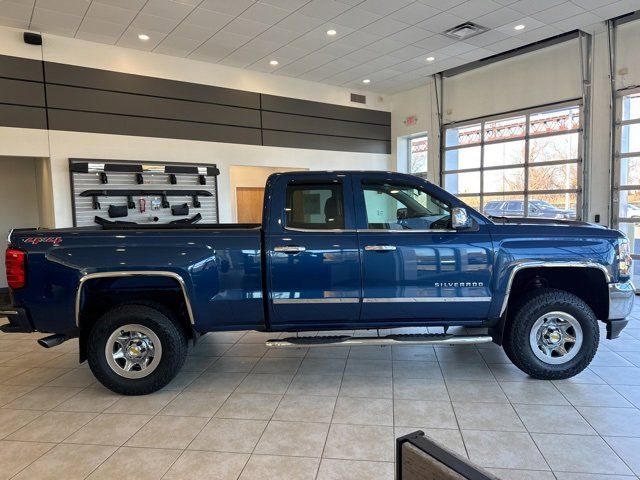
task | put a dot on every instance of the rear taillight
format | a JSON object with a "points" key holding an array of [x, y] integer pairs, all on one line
{"points": [[15, 261]]}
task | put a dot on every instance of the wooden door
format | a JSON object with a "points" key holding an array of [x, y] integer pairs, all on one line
{"points": [[249, 204]]}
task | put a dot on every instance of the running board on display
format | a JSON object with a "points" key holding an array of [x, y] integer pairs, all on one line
{"points": [[402, 339]]}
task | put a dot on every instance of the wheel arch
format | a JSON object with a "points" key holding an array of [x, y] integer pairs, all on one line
{"points": [[560, 276], [164, 290]]}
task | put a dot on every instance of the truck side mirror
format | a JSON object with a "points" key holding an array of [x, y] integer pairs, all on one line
{"points": [[460, 219]]}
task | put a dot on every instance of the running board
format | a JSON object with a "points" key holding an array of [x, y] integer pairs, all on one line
{"points": [[401, 339]]}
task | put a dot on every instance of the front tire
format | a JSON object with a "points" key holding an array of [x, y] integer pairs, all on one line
{"points": [[552, 335], [136, 349]]}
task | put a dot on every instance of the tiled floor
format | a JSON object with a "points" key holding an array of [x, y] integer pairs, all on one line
{"points": [[238, 410]]}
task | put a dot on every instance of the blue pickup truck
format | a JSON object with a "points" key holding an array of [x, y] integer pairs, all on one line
{"points": [[336, 250]]}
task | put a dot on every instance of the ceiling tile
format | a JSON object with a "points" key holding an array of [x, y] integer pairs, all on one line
{"points": [[323, 9], [362, 55], [337, 49], [14, 23], [225, 38], [442, 4], [528, 7], [476, 54], [499, 18], [534, 35], [235, 7], [177, 46], [356, 18], [97, 38], [359, 39], [407, 66], [261, 47], [617, 9], [100, 27], [71, 7], [410, 35], [242, 26], [578, 21], [135, 5], [441, 22], [130, 39], [454, 49], [474, 8], [506, 44], [529, 23], [286, 4], [192, 32], [144, 22], [383, 7], [557, 13], [384, 45], [211, 51], [167, 9], [110, 13], [385, 27], [592, 4], [279, 35], [435, 42], [55, 22], [297, 22], [487, 38], [410, 51], [212, 21], [16, 11], [264, 13], [414, 13], [290, 53]]}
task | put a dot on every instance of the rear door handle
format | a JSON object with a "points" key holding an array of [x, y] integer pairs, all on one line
{"points": [[380, 248], [289, 249]]}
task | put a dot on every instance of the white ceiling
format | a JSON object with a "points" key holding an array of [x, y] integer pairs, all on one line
{"points": [[386, 41]]}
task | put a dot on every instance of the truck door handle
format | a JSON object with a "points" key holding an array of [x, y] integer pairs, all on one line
{"points": [[289, 249], [380, 248]]}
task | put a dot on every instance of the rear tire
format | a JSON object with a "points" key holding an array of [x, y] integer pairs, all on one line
{"points": [[136, 349], [552, 335]]}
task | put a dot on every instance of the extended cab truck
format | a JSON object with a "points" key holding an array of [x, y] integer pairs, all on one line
{"points": [[336, 250]]}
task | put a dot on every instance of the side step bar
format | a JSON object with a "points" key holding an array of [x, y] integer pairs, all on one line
{"points": [[400, 339]]}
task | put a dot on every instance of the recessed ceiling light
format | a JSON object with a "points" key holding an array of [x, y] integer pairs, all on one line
{"points": [[331, 32], [519, 27], [366, 80], [430, 59], [144, 37], [273, 62]]}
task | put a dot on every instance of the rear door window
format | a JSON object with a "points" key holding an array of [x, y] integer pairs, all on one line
{"points": [[315, 207]]}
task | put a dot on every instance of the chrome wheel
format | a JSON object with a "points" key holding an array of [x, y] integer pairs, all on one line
{"points": [[556, 337], [133, 351]]}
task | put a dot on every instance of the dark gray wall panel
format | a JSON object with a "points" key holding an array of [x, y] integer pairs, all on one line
{"points": [[20, 92], [324, 142], [159, 87], [85, 99], [21, 68], [324, 110], [299, 123], [150, 127], [22, 116]]}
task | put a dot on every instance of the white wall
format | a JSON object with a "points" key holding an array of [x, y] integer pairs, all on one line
{"points": [[59, 146], [18, 199]]}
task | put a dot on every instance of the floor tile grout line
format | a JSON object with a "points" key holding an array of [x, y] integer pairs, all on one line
{"points": [[186, 449], [521, 421], [271, 418], [335, 404]]}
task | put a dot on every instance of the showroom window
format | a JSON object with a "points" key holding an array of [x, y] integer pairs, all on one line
{"points": [[418, 155], [626, 191], [525, 164]]}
